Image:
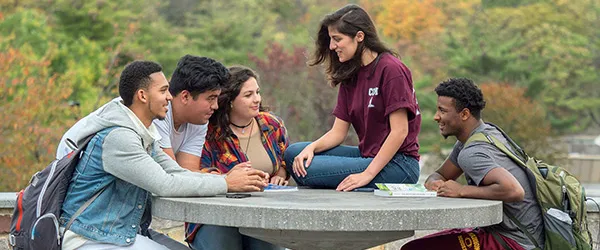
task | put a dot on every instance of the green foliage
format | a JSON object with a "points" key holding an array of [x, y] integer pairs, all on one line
{"points": [[429, 137], [508, 3], [27, 29], [505, 106], [221, 30], [547, 49], [542, 46], [85, 60], [302, 98]]}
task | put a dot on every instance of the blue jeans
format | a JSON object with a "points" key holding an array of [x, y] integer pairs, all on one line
{"points": [[329, 168], [211, 237]]}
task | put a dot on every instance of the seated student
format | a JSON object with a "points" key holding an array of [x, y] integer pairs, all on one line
{"points": [[490, 175], [124, 160], [195, 85], [240, 133], [376, 96]]}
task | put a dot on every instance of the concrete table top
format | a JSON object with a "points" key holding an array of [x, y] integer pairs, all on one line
{"points": [[319, 218]]}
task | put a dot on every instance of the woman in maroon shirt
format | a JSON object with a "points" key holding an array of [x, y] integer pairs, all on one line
{"points": [[376, 96]]}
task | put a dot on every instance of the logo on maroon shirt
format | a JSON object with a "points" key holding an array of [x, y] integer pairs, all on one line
{"points": [[372, 92]]}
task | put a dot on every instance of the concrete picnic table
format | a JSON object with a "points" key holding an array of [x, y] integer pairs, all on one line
{"points": [[326, 219]]}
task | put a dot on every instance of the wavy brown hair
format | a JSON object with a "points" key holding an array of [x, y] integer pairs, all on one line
{"points": [[348, 20], [220, 119]]}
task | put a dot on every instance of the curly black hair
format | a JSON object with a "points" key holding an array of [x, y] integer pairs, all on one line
{"points": [[136, 75], [465, 93], [197, 75]]}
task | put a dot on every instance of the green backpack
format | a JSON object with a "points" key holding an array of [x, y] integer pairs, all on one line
{"points": [[559, 193]]}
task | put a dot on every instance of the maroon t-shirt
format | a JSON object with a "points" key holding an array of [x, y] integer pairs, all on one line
{"points": [[380, 89]]}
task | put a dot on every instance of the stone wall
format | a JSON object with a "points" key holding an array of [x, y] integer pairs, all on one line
{"points": [[5, 214], [585, 167]]}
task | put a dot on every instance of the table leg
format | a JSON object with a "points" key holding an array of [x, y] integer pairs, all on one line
{"points": [[298, 240]]}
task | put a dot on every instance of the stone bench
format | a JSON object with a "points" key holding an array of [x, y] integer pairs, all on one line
{"points": [[175, 229]]}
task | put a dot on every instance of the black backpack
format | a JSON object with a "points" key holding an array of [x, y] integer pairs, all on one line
{"points": [[34, 222]]}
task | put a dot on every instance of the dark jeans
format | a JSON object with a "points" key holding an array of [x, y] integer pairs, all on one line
{"points": [[330, 167], [227, 238]]}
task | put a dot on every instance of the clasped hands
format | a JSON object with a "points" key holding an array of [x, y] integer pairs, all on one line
{"points": [[449, 188], [243, 178]]}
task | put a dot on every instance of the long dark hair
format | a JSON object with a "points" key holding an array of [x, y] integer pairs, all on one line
{"points": [[220, 119], [348, 20]]}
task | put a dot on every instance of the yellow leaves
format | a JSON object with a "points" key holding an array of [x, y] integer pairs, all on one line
{"points": [[132, 27], [408, 19]]}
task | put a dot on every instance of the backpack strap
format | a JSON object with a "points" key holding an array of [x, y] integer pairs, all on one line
{"points": [[484, 137], [77, 153], [500, 240], [83, 207], [523, 229]]}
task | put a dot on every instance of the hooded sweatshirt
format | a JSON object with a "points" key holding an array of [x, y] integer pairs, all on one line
{"points": [[124, 157]]}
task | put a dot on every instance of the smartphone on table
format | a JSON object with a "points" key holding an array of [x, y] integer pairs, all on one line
{"points": [[237, 195]]}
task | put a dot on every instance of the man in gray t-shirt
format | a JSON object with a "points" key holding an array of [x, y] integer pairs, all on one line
{"points": [[477, 160], [490, 173]]}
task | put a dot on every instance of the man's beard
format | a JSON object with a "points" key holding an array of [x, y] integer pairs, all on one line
{"points": [[160, 118]]}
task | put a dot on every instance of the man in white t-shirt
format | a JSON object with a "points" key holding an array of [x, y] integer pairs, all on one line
{"points": [[195, 87]]}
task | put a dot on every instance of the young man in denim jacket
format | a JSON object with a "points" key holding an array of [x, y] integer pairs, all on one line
{"points": [[124, 160]]}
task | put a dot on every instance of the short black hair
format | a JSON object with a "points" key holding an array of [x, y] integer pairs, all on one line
{"points": [[136, 75], [197, 75], [465, 93]]}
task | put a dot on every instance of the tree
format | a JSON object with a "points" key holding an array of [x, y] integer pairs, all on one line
{"points": [[408, 20], [523, 119], [297, 93], [544, 47], [34, 109]]}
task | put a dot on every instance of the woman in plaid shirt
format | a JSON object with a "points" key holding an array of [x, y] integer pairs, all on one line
{"points": [[240, 134]]}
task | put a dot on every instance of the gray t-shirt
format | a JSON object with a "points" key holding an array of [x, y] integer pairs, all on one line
{"points": [[476, 160], [189, 138]]}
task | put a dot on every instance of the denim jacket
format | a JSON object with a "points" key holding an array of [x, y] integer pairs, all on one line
{"points": [[124, 157], [115, 216]]}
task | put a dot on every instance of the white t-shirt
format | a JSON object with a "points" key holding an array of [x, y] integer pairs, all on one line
{"points": [[189, 138]]}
